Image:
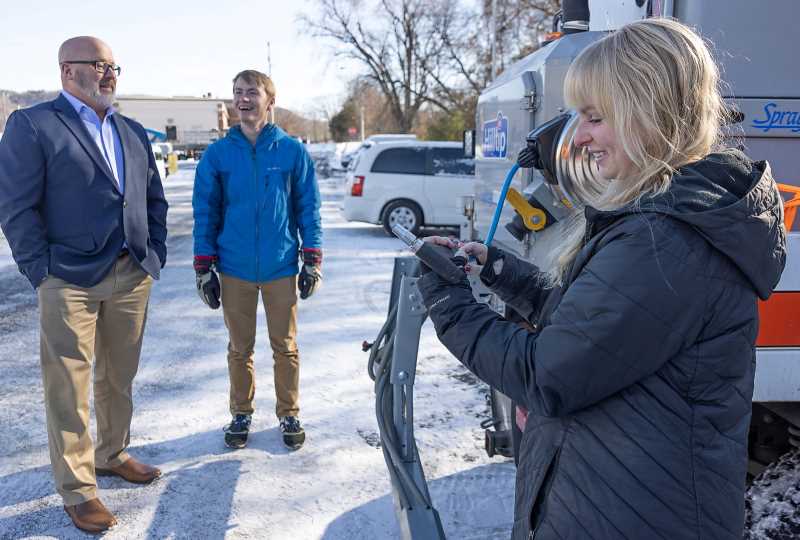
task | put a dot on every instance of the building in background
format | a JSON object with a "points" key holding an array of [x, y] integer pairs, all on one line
{"points": [[188, 122]]}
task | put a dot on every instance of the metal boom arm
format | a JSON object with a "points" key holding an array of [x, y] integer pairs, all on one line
{"points": [[393, 365]]}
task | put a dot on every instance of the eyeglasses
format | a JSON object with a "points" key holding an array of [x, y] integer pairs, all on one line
{"points": [[99, 66]]}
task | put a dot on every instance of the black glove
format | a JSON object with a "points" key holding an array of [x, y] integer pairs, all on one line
{"points": [[488, 275], [431, 283], [310, 278], [530, 156], [439, 293], [206, 279], [433, 257]]}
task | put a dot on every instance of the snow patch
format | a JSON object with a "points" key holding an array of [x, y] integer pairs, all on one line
{"points": [[772, 502], [335, 487]]}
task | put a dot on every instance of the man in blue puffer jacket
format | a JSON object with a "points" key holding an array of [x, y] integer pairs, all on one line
{"points": [[254, 191]]}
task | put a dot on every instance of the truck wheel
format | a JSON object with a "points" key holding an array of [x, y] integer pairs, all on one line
{"points": [[406, 213], [771, 501]]}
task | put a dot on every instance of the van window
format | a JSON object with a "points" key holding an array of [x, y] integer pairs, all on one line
{"points": [[446, 161], [407, 160]]}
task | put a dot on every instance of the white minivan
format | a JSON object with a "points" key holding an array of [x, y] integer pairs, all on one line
{"points": [[348, 158], [414, 183]]}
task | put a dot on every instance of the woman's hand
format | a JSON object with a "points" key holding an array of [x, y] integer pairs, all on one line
{"points": [[451, 243], [473, 249], [477, 250]]}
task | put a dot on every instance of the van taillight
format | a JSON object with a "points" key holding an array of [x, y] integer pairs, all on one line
{"points": [[358, 186]]}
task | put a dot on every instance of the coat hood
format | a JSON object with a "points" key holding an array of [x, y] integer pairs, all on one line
{"points": [[734, 203], [270, 135]]}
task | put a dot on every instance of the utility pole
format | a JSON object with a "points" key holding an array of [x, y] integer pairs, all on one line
{"points": [[362, 123], [269, 74], [269, 61]]}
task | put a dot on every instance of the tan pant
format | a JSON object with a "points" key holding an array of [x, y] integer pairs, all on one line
{"points": [[239, 306], [105, 321]]}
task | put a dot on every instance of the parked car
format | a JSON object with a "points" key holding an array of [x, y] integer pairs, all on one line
{"points": [[347, 158], [323, 155], [414, 183]]}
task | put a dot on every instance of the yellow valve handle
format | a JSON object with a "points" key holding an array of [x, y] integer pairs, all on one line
{"points": [[534, 218]]}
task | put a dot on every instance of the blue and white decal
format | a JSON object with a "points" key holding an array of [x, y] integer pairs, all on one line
{"points": [[776, 118], [495, 137]]}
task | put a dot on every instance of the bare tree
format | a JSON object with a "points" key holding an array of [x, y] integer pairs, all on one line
{"points": [[519, 25], [364, 99], [466, 37], [395, 40], [324, 108], [308, 128], [431, 55], [464, 67]]}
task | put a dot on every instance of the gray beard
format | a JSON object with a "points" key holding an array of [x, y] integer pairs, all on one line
{"points": [[92, 89], [106, 100]]}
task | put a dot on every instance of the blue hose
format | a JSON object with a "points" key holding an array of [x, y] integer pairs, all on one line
{"points": [[500, 202]]}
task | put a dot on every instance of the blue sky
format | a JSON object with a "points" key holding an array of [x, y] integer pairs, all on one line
{"points": [[174, 47]]}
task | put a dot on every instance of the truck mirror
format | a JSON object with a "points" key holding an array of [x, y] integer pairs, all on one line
{"points": [[468, 143]]}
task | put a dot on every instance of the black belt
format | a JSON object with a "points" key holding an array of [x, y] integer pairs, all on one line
{"points": [[123, 252]]}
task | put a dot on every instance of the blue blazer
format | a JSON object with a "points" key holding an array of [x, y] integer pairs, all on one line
{"points": [[60, 207]]}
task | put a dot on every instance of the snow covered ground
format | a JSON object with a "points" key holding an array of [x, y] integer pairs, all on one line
{"points": [[5, 254], [335, 487]]}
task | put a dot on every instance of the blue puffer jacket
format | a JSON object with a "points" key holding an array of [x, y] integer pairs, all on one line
{"points": [[251, 202], [639, 374]]}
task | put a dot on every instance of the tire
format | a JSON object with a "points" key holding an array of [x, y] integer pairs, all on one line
{"points": [[406, 213]]}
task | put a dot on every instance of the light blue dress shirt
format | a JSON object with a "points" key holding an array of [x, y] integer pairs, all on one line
{"points": [[104, 133]]}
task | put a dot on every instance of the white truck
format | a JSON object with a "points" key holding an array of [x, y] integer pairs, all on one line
{"points": [[755, 44]]}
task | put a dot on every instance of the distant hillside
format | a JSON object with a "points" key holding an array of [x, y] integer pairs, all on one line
{"points": [[11, 101]]}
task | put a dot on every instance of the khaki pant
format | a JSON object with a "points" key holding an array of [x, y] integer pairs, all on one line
{"points": [[105, 321], [239, 306]]}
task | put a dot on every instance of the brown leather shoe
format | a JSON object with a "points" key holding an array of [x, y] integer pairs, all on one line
{"points": [[132, 471], [91, 516]]}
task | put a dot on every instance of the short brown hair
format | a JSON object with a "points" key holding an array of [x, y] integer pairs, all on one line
{"points": [[257, 78]]}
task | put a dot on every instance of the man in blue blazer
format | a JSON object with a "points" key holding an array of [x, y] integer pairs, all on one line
{"points": [[83, 209]]}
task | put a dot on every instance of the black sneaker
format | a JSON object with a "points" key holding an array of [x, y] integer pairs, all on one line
{"points": [[293, 434], [236, 432]]}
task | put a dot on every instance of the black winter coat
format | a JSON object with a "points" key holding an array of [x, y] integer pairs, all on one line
{"points": [[639, 376]]}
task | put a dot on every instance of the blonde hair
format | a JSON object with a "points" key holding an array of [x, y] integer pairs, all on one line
{"points": [[252, 76], [657, 84]]}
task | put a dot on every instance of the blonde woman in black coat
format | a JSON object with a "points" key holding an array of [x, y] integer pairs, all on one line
{"points": [[639, 375]]}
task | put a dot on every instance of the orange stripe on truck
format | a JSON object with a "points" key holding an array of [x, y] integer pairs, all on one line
{"points": [[790, 205], [779, 319]]}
